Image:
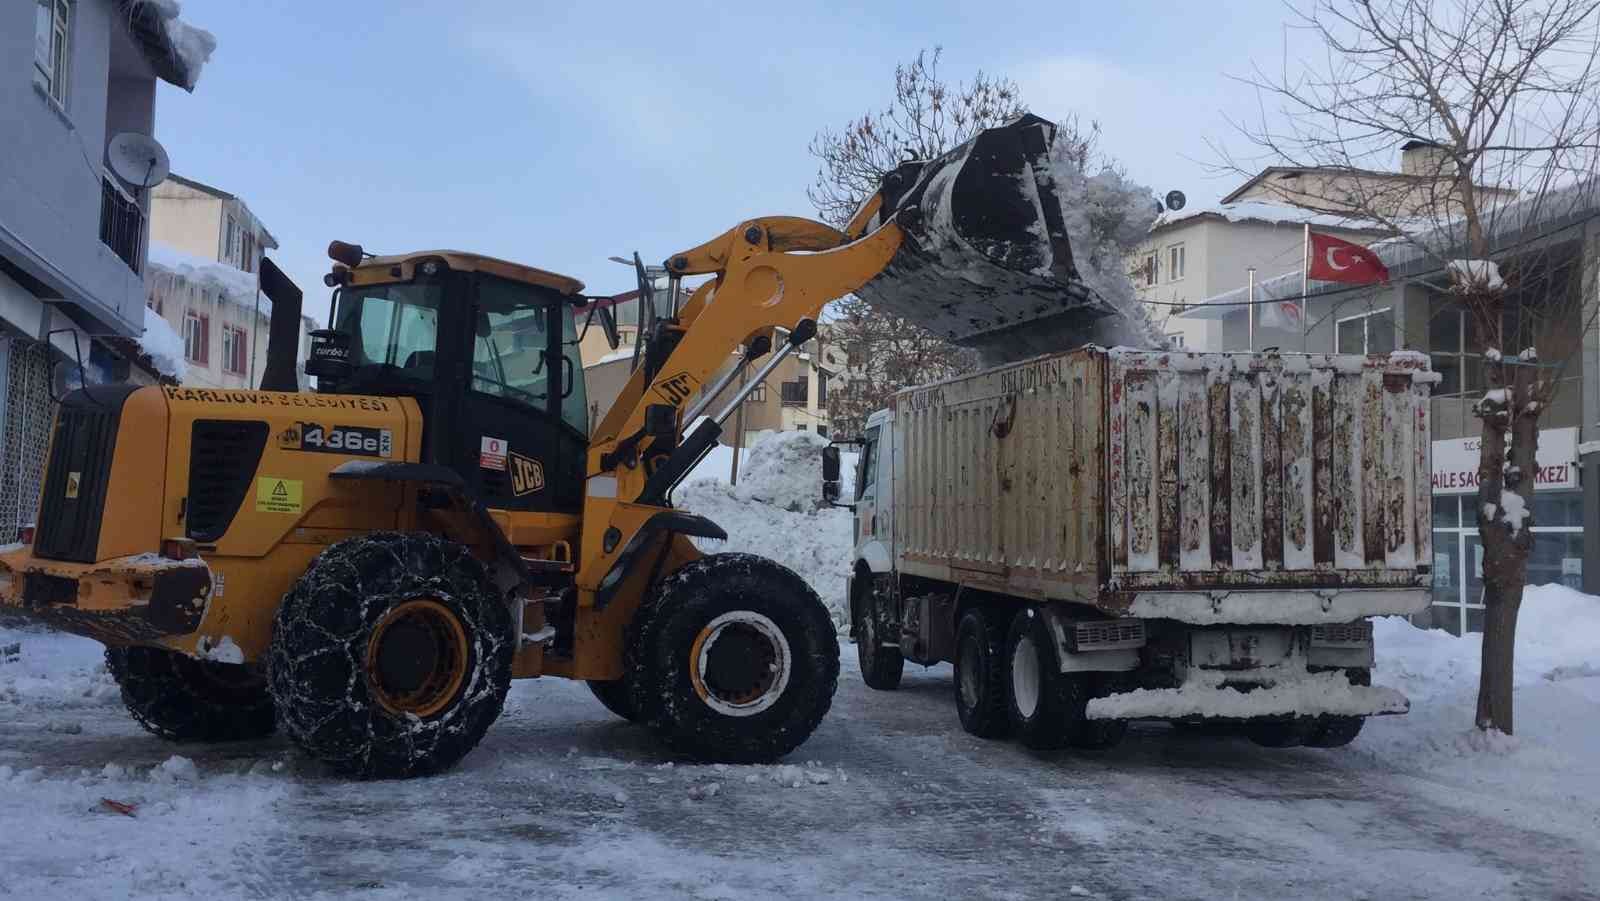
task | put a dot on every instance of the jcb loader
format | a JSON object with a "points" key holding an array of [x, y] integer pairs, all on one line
{"points": [[368, 565]]}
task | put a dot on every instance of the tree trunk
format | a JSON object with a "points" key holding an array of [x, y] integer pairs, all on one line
{"points": [[1499, 648], [1506, 472]]}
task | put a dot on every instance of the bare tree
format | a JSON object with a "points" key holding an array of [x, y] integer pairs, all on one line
{"points": [[1502, 99]]}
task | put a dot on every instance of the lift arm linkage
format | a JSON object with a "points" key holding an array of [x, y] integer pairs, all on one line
{"points": [[769, 273]]}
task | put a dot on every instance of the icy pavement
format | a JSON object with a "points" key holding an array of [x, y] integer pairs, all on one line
{"points": [[890, 799]]}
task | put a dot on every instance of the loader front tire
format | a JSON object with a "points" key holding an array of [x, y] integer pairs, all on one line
{"points": [[733, 659], [391, 655], [183, 699], [617, 696]]}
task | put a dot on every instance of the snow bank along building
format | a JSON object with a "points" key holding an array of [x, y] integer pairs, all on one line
{"points": [[73, 74], [1549, 245], [203, 280]]}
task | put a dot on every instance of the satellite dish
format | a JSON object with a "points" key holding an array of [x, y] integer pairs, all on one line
{"points": [[138, 159], [1175, 200]]}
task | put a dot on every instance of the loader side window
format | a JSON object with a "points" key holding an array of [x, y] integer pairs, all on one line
{"points": [[395, 327]]}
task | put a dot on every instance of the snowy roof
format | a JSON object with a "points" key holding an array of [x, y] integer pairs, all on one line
{"points": [[1418, 252], [1270, 213], [231, 285], [176, 50], [160, 342]]}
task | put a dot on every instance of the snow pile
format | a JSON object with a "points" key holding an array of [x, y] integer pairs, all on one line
{"points": [[191, 46], [776, 511], [161, 344], [1106, 216], [1329, 693], [784, 469], [1475, 275], [1552, 757]]}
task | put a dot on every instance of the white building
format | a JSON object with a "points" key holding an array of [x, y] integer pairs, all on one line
{"points": [[1203, 251]]}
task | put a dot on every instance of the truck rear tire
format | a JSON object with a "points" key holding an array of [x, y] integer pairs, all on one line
{"points": [[1280, 733], [617, 696], [881, 667], [1045, 705], [180, 698], [733, 659], [981, 675], [1335, 731], [391, 655]]}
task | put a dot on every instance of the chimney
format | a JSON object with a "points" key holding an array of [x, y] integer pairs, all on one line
{"points": [[1424, 158]]}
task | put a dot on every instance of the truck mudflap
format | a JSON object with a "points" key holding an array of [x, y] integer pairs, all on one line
{"points": [[121, 600], [1206, 697]]}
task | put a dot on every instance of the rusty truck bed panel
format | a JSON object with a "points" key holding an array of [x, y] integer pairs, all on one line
{"points": [[1096, 474]]}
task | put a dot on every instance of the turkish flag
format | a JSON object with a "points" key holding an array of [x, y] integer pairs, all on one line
{"points": [[1337, 260]]}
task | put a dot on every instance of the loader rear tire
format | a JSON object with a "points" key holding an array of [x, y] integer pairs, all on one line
{"points": [[183, 699], [617, 696], [733, 659], [391, 655], [981, 674]]}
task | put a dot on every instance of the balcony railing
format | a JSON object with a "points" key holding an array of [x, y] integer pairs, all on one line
{"points": [[121, 224]]}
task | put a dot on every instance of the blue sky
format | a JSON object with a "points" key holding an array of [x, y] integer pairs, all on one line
{"points": [[559, 134]]}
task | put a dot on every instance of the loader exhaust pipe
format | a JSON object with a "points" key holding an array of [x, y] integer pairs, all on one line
{"points": [[283, 334]]}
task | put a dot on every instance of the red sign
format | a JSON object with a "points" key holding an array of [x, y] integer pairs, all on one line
{"points": [[1337, 260], [492, 453]]}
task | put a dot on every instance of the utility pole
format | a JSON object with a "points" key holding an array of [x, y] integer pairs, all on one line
{"points": [[738, 431], [1250, 310]]}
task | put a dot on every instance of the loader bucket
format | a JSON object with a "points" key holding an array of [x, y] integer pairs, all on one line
{"points": [[986, 262]]}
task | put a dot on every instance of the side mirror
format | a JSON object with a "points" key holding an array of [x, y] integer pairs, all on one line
{"points": [[830, 473]]}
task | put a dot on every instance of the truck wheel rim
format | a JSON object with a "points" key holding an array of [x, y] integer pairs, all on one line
{"points": [[1025, 676], [740, 663], [969, 673], [417, 658]]}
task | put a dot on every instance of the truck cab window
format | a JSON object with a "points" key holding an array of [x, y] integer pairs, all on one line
{"points": [[868, 476]]}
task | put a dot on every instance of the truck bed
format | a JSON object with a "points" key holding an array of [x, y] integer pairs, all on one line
{"points": [[1105, 476]]}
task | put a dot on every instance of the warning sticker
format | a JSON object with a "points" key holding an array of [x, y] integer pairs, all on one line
{"points": [[278, 495], [492, 453], [74, 479]]}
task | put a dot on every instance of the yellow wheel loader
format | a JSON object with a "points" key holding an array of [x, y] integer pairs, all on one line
{"points": [[368, 565]]}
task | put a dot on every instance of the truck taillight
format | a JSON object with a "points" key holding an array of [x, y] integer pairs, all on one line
{"points": [[25, 534]]}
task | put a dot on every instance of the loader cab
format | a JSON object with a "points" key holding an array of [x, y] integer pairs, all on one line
{"points": [[489, 350]]}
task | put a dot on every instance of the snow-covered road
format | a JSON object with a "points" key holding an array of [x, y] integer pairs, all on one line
{"points": [[889, 799]]}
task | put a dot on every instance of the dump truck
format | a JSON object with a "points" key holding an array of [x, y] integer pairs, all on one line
{"points": [[1108, 535], [369, 564]]}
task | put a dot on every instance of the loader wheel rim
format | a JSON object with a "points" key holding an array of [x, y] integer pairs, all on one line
{"points": [[1025, 676], [417, 658], [740, 663]]}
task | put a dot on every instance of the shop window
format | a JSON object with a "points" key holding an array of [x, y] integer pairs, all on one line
{"points": [[1368, 333]]}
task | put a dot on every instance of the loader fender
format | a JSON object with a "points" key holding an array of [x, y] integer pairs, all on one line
{"points": [[665, 522], [510, 570]]}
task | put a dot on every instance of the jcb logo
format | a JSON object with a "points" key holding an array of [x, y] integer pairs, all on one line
{"points": [[527, 476], [675, 389]]}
